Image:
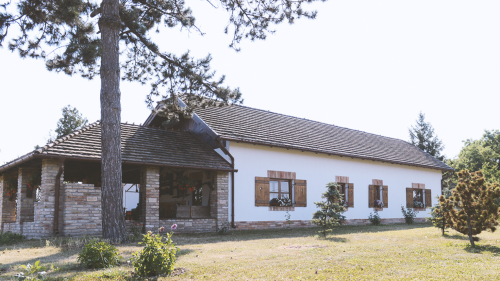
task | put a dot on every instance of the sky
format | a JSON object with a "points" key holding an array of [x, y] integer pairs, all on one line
{"points": [[365, 65]]}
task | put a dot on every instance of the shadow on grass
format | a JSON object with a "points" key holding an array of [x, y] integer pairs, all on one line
{"points": [[479, 249], [456, 236], [336, 239], [247, 235], [183, 252]]}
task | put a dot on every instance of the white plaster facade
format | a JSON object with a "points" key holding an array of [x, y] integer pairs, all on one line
{"points": [[318, 169]]}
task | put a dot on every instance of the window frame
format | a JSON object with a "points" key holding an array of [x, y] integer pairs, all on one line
{"points": [[290, 191], [378, 193], [416, 192], [343, 187]]}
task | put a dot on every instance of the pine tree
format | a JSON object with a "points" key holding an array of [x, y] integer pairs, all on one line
{"points": [[422, 136], [70, 121], [438, 217], [65, 35], [330, 211], [471, 209]]}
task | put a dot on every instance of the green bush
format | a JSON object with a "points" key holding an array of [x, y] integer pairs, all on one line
{"points": [[375, 219], [9, 238], [408, 214], [98, 254], [157, 257]]}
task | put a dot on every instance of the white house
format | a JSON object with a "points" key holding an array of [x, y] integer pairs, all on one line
{"points": [[224, 164], [276, 155]]}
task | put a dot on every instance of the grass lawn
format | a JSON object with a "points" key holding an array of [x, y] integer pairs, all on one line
{"points": [[387, 252]]}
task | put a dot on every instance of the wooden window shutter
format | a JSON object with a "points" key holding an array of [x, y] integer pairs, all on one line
{"points": [[409, 197], [300, 193], [351, 195], [371, 195], [261, 191], [385, 196], [428, 198]]}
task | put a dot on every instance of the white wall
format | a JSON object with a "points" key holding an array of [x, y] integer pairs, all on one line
{"points": [[319, 169]]}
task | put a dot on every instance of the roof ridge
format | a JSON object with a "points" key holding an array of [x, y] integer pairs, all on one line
{"points": [[67, 137], [268, 111]]}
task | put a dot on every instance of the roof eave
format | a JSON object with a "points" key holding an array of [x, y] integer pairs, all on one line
{"points": [[337, 154], [55, 156]]}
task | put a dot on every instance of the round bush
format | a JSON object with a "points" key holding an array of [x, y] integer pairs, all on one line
{"points": [[157, 257], [98, 254]]}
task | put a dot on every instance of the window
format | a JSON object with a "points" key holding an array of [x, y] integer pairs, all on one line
{"points": [[279, 189], [347, 189], [280, 185], [342, 190], [418, 197], [377, 193], [378, 196]]}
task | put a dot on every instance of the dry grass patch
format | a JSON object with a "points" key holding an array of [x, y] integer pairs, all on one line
{"points": [[388, 252]]}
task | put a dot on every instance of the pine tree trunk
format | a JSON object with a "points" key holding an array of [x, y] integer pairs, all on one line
{"points": [[471, 239], [113, 224]]}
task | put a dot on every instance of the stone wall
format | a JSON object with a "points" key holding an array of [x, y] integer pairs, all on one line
{"points": [[150, 197], [81, 210], [383, 221], [249, 225], [44, 210], [222, 193]]}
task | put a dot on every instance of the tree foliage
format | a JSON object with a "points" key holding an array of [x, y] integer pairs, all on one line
{"points": [[422, 136], [471, 209], [438, 217], [87, 38], [70, 121], [330, 211], [66, 35], [481, 155]]}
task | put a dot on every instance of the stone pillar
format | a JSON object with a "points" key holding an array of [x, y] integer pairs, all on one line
{"points": [[44, 210], [222, 192], [25, 205], [150, 198]]}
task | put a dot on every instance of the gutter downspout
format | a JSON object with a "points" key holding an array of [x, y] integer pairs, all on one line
{"points": [[223, 148], [56, 195]]}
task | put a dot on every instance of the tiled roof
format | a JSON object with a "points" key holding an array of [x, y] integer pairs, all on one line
{"points": [[241, 123], [141, 145]]}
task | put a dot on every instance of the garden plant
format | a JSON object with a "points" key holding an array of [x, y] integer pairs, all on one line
{"points": [[471, 207], [157, 257], [330, 211]]}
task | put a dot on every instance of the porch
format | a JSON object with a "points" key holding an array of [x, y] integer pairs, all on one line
{"points": [[187, 186]]}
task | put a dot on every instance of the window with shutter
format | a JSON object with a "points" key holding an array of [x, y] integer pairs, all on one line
{"points": [[261, 191], [350, 196], [428, 198], [300, 193], [371, 195], [385, 196], [409, 197]]}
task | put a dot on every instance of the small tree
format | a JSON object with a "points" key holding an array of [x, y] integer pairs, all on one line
{"points": [[471, 209], [70, 121], [330, 211], [422, 136], [438, 218]]}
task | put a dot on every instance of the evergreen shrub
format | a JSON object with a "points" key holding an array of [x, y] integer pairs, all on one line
{"points": [[98, 254], [157, 257]]}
